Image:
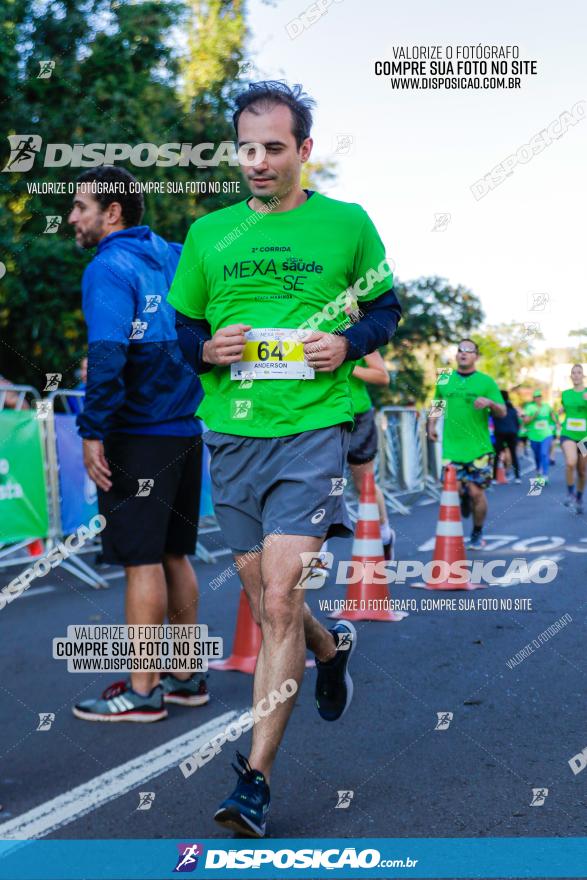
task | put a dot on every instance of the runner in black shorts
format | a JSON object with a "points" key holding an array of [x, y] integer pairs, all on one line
{"points": [[363, 446], [142, 444]]}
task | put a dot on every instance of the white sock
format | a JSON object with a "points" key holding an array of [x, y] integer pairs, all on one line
{"points": [[386, 532]]}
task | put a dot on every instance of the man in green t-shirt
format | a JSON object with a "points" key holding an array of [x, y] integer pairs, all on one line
{"points": [[465, 397], [573, 432], [541, 423], [261, 291]]}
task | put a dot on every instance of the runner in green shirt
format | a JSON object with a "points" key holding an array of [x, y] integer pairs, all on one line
{"points": [[464, 398], [573, 431], [541, 423], [261, 291]]}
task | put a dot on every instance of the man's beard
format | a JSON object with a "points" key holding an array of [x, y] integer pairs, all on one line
{"points": [[91, 237]]}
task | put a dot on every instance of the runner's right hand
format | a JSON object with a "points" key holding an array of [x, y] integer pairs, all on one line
{"points": [[226, 346]]}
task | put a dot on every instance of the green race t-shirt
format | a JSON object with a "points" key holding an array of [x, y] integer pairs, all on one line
{"points": [[575, 407], [359, 395], [466, 429], [543, 422], [278, 270]]}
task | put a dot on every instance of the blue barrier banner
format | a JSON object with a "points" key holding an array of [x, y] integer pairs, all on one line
{"points": [[498, 857], [79, 501]]}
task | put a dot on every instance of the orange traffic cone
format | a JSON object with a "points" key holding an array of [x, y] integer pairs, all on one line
{"points": [[36, 547], [368, 600], [500, 472], [449, 547], [247, 641]]}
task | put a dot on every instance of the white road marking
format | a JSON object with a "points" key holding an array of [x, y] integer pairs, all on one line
{"points": [[37, 591], [112, 575], [73, 804]]}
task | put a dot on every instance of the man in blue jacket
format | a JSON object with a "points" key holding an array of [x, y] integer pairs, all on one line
{"points": [[142, 443]]}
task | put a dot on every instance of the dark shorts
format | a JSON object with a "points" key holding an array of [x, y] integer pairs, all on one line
{"points": [[479, 471], [290, 485], [570, 439], [163, 516], [363, 445]]}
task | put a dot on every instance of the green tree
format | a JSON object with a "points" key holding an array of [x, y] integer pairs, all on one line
{"points": [[121, 76], [505, 350], [435, 315]]}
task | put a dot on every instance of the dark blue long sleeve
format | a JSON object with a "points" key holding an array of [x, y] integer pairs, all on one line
{"points": [[192, 334], [376, 327]]}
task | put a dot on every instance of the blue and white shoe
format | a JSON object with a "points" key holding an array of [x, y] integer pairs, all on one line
{"points": [[334, 686], [120, 703], [476, 541], [245, 811]]}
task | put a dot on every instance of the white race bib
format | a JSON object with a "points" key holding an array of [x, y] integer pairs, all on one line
{"points": [[273, 353], [541, 424], [576, 424]]}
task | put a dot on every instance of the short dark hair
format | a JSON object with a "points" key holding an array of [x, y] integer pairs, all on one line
{"points": [[132, 203], [472, 341], [264, 95]]}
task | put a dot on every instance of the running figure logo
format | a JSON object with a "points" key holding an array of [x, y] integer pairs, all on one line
{"points": [[315, 568], [138, 329], [146, 799], [53, 380], [338, 484], [241, 409], [344, 144], [441, 222], [145, 487], [46, 719], [43, 408], [437, 408], [538, 302], [24, 148], [443, 375], [52, 222], [189, 854], [344, 800], [444, 719], [536, 485], [152, 301], [345, 640], [539, 795], [46, 69]]}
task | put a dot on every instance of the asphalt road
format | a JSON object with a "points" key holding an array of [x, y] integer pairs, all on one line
{"points": [[513, 729]]}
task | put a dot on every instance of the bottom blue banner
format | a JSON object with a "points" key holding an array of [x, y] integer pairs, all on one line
{"points": [[507, 857]]}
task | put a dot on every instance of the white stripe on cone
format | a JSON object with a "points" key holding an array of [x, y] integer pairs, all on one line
{"points": [[369, 510], [367, 547], [449, 529], [448, 497]]}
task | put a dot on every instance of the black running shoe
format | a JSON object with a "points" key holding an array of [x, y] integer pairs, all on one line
{"points": [[465, 503], [245, 811], [334, 686]]}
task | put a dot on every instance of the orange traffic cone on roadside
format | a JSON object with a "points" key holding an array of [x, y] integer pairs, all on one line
{"points": [[247, 641], [369, 598], [36, 547], [500, 472], [449, 547]]}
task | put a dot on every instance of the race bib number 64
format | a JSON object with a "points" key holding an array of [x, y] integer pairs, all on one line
{"points": [[273, 353]]}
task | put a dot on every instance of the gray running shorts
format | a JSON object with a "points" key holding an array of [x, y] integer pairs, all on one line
{"points": [[291, 485]]}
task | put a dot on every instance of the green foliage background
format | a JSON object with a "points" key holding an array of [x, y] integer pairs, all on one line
{"points": [[155, 71]]}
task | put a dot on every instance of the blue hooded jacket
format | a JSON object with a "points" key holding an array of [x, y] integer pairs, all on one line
{"points": [[138, 380]]}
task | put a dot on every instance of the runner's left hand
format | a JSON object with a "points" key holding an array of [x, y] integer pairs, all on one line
{"points": [[324, 352], [482, 402]]}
